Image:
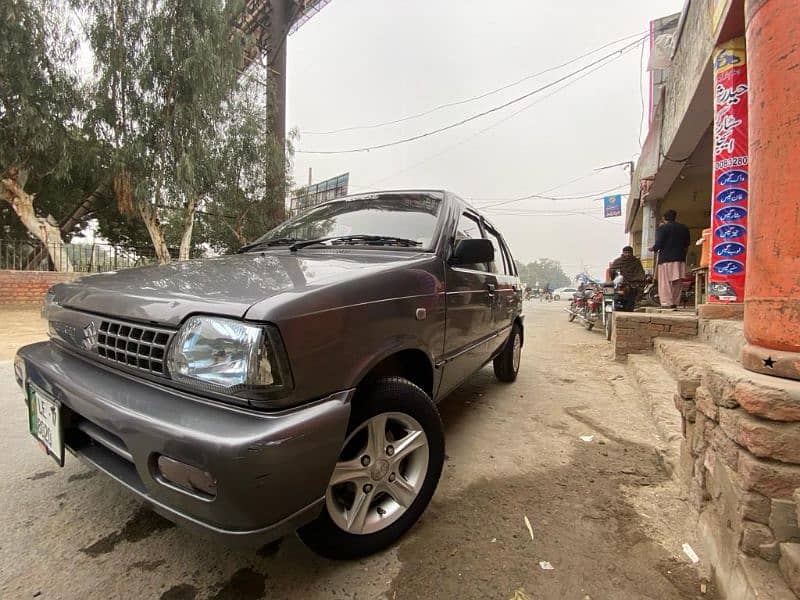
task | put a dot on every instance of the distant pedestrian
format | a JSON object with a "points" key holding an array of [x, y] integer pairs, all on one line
{"points": [[672, 243]]}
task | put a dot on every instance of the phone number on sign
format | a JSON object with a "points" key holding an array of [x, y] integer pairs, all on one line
{"points": [[736, 161]]}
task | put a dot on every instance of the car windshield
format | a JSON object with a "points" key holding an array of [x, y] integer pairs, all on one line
{"points": [[385, 218]]}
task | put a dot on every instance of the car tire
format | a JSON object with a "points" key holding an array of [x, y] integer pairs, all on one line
{"points": [[506, 364], [400, 403], [556, 297]]}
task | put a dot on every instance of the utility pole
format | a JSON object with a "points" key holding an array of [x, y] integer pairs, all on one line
{"points": [[276, 65], [626, 163]]}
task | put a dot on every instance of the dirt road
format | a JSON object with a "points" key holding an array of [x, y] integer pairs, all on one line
{"points": [[20, 325], [603, 512]]}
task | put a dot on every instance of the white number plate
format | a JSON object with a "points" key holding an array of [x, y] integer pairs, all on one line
{"points": [[44, 420], [609, 308]]}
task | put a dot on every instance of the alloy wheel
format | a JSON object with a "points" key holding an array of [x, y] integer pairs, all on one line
{"points": [[379, 474]]}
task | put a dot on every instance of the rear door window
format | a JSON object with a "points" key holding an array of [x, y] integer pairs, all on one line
{"points": [[500, 264]]}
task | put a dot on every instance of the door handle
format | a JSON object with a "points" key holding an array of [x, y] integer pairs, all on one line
{"points": [[491, 288]]}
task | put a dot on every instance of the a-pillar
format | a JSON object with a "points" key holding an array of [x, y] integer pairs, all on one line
{"points": [[772, 292]]}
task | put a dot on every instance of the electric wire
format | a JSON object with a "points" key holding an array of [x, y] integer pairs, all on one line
{"points": [[474, 98], [475, 116], [371, 186]]}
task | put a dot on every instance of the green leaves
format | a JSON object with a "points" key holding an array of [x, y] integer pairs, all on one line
{"points": [[162, 100], [41, 103]]}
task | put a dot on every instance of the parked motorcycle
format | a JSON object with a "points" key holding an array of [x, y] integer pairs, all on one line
{"points": [[587, 305], [650, 294], [610, 304], [615, 295]]}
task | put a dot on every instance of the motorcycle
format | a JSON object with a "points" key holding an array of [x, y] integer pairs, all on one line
{"points": [[615, 295], [650, 294], [586, 305]]}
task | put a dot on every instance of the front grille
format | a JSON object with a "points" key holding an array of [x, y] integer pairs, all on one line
{"points": [[133, 345]]}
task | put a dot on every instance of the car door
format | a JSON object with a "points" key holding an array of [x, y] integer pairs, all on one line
{"points": [[507, 299], [470, 303]]}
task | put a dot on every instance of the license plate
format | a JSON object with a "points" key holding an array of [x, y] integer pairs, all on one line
{"points": [[44, 420], [609, 308]]}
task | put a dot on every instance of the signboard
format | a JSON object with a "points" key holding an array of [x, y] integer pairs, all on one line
{"points": [[612, 206], [731, 174], [317, 193]]}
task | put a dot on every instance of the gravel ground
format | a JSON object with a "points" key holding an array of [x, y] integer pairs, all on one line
{"points": [[20, 325], [603, 512]]}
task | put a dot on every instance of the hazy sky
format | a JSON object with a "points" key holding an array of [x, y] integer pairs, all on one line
{"points": [[360, 62]]}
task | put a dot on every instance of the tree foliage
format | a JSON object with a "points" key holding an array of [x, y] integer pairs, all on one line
{"points": [[181, 122], [545, 271], [164, 129], [44, 154]]}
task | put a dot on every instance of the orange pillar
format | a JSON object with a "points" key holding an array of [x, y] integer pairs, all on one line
{"points": [[772, 292]]}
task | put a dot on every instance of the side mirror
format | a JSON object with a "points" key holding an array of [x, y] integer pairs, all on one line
{"points": [[472, 251]]}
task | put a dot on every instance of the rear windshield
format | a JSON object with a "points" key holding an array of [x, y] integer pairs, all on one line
{"points": [[407, 216]]}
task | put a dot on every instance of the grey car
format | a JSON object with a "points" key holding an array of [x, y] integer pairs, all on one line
{"points": [[291, 386]]}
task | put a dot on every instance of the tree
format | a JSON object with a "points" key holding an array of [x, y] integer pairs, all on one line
{"points": [[251, 173], [40, 104], [167, 74], [546, 271]]}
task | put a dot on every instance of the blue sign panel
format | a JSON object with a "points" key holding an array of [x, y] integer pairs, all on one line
{"points": [[728, 267], [732, 195], [612, 206], [733, 177], [729, 249], [730, 232], [731, 213]]}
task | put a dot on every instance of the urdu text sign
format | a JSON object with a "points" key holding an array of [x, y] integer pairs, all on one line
{"points": [[612, 206]]}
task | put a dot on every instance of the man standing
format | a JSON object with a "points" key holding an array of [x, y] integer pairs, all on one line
{"points": [[632, 273], [672, 242]]}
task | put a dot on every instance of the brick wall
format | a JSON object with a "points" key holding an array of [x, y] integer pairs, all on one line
{"points": [[29, 287], [634, 333], [741, 455]]}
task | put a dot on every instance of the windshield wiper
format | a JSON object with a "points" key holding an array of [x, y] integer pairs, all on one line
{"points": [[268, 244], [372, 240]]}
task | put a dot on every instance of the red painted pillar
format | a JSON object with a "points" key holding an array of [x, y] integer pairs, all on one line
{"points": [[772, 292]]}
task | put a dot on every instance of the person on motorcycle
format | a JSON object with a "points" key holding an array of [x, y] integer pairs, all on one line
{"points": [[632, 273]]}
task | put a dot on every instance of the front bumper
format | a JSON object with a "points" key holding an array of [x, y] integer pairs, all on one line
{"points": [[272, 469]]}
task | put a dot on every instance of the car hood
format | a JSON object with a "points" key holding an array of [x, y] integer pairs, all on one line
{"points": [[227, 285]]}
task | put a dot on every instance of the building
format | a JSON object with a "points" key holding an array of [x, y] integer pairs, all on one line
{"points": [[721, 150], [697, 149], [316, 193]]}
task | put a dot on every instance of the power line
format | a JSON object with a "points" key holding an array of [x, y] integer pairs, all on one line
{"points": [[476, 116], [371, 186], [538, 194], [594, 195], [473, 98]]}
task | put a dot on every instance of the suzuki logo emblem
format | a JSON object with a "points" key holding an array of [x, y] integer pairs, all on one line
{"points": [[89, 336]]}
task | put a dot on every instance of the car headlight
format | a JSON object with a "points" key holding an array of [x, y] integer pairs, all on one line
{"points": [[49, 303], [229, 357]]}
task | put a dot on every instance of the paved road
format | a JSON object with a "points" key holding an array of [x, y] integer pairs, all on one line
{"points": [[603, 512]]}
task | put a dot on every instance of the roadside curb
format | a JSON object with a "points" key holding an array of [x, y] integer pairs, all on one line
{"points": [[657, 388]]}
